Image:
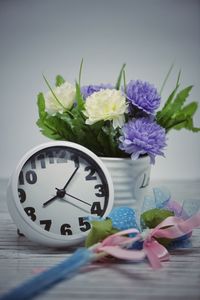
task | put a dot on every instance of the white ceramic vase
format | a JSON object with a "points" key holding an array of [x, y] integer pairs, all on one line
{"points": [[130, 179]]}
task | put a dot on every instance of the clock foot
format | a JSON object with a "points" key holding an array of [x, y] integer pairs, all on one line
{"points": [[19, 233]]}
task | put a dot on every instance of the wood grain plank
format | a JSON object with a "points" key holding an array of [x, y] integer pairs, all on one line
{"points": [[178, 279]]}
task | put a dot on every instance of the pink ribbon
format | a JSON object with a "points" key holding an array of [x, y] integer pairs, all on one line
{"points": [[155, 252]]}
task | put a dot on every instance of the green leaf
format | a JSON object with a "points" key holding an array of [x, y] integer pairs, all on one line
{"points": [[104, 143], [59, 80], [173, 107], [187, 124], [80, 72], [118, 83], [41, 105], [166, 107], [108, 140], [87, 133], [55, 127], [82, 133], [180, 99], [151, 218], [124, 80], [47, 130], [183, 119], [176, 123], [111, 134], [190, 109], [100, 230], [79, 97], [190, 126]]}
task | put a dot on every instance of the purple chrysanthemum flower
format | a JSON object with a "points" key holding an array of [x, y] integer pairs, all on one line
{"points": [[88, 90], [143, 136], [143, 95]]}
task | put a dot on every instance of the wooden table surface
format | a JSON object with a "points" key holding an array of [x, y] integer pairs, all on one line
{"points": [[178, 279]]}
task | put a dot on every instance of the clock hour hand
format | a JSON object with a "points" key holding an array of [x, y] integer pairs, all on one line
{"points": [[61, 192], [50, 200]]}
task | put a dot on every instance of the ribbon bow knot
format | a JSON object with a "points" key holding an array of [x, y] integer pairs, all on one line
{"points": [[146, 234], [118, 244]]}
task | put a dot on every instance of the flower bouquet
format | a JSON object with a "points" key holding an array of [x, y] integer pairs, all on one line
{"points": [[120, 120]]}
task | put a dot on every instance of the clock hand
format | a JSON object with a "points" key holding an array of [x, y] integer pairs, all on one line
{"points": [[70, 178], [50, 200], [75, 205], [61, 192], [74, 197]]}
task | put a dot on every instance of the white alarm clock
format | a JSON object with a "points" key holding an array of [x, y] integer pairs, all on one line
{"points": [[53, 190]]}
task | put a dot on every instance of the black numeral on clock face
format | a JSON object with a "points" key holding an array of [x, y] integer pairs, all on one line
{"points": [[30, 176], [100, 190], [62, 160], [47, 224], [30, 211], [50, 155], [41, 158], [33, 164], [96, 208], [21, 178], [22, 195], [84, 225], [65, 229], [75, 159], [91, 175], [62, 157]]}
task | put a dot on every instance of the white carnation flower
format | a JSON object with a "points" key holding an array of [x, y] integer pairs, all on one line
{"points": [[65, 95], [108, 104]]}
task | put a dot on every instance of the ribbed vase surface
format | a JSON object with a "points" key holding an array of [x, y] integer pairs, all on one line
{"points": [[130, 180]]}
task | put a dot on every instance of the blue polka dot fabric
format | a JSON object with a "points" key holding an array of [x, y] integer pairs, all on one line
{"points": [[159, 199], [162, 196], [123, 218], [191, 206]]}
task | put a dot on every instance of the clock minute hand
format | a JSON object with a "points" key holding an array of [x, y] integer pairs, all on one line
{"points": [[61, 192], [68, 181]]}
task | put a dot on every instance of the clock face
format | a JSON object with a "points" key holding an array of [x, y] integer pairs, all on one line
{"points": [[59, 186]]}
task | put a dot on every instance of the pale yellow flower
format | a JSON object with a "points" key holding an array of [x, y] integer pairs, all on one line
{"points": [[65, 95], [108, 104]]}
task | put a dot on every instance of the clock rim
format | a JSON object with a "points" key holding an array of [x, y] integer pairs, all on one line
{"points": [[25, 224]]}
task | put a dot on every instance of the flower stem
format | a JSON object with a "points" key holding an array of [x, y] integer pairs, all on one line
{"points": [[166, 78], [56, 98], [80, 72], [124, 80], [53, 92]]}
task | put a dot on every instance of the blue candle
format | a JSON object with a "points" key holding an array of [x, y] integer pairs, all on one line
{"points": [[64, 270]]}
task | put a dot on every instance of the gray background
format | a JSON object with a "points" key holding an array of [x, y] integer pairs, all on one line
{"points": [[51, 37]]}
